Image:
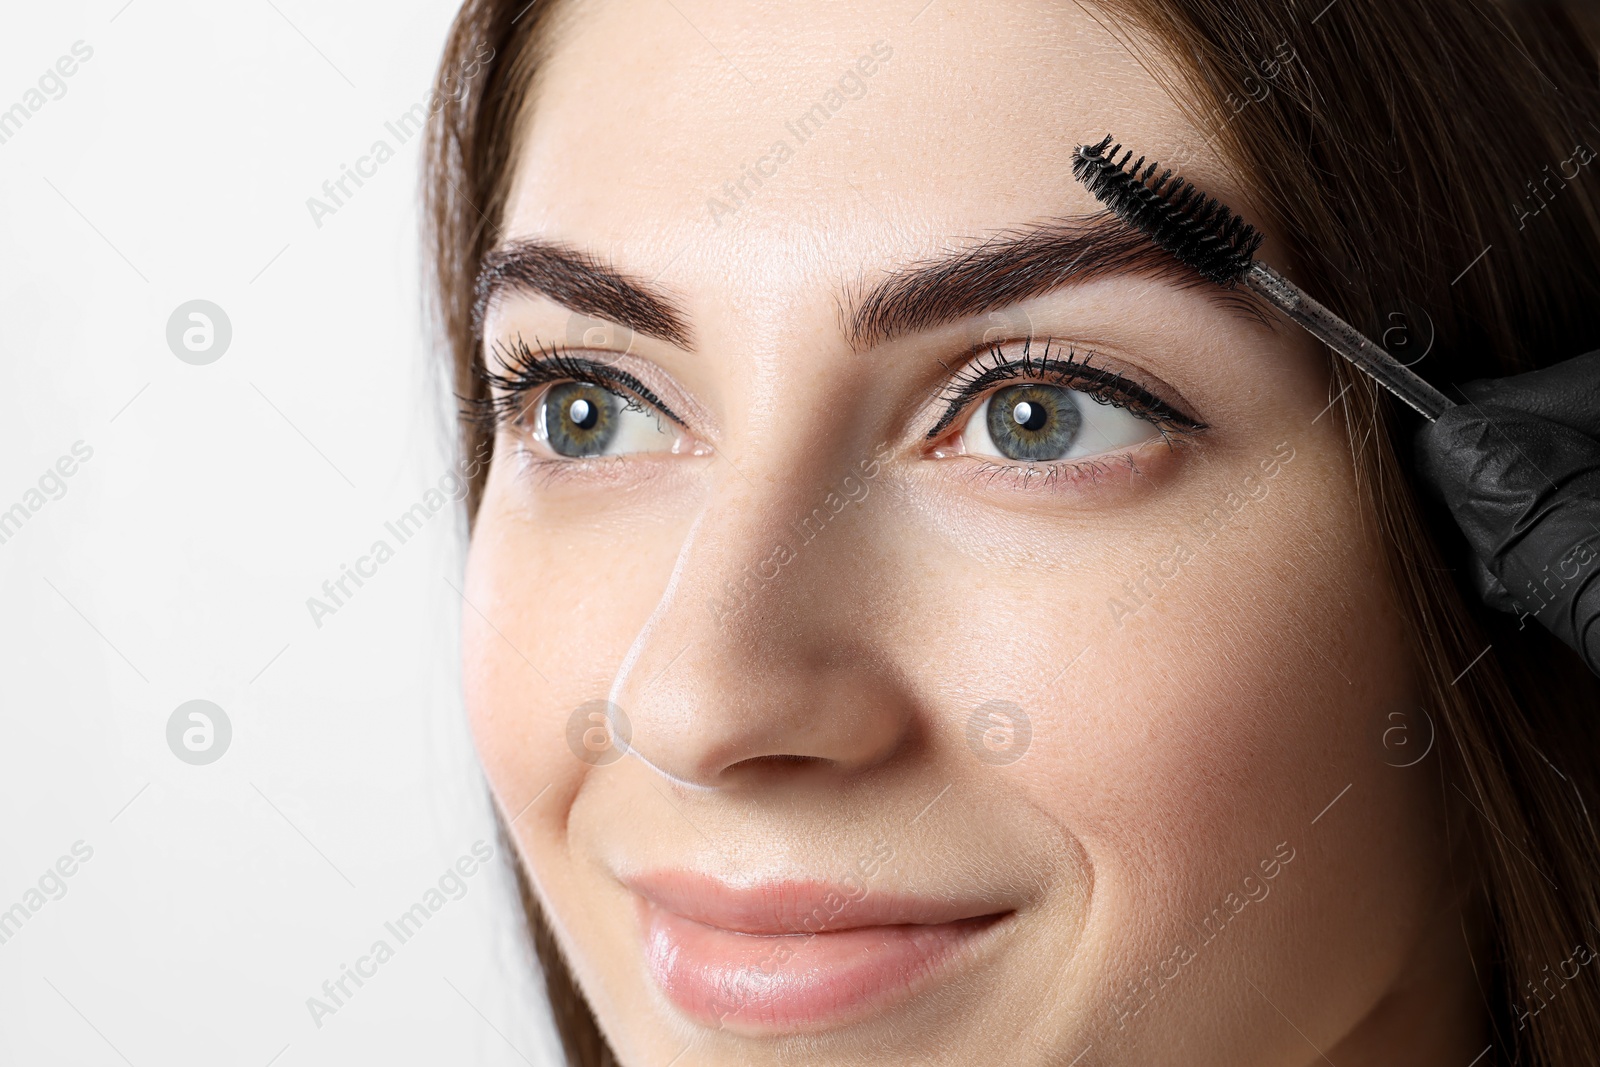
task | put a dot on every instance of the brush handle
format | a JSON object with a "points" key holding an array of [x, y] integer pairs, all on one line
{"points": [[1346, 340]]}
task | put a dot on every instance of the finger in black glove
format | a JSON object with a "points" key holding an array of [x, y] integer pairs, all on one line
{"points": [[1518, 465]]}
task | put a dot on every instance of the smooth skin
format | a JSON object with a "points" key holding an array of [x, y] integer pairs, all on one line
{"points": [[1184, 741]]}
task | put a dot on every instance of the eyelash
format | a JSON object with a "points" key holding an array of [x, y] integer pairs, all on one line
{"points": [[527, 371], [994, 366]]}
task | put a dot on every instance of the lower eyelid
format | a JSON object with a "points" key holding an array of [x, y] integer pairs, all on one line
{"points": [[1090, 470], [1125, 466]]}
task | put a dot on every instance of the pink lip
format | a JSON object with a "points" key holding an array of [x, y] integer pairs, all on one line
{"points": [[795, 955]]}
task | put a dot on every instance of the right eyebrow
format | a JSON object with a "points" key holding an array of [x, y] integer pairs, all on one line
{"points": [[577, 280], [1013, 266]]}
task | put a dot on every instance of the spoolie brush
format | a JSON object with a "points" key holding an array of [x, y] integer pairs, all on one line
{"points": [[1220, 246]]}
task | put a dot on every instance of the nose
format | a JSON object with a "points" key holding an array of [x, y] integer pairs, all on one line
{"points": [[768, 648]]}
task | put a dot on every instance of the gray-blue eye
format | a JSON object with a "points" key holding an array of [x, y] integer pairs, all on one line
{"points": [[1033, 423], [579, 420], [1038, 423]]}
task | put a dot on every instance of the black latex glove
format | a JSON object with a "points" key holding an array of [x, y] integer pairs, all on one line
{"points": [[1518, 464]]}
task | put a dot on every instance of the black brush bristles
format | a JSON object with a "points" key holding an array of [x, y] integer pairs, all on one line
{"points": [[1200, 231]]}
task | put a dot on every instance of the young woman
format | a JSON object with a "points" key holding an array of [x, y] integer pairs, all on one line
{"points": [[909, 620]]}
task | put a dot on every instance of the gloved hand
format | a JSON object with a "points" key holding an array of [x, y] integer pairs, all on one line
{"points": [[1518, 465]]}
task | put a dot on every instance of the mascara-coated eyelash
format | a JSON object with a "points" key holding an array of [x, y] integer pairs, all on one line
{"points": [[995, 365], [523, 370]]}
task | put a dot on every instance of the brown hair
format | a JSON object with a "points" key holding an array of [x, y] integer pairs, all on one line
{"points": [[1398, 145]]}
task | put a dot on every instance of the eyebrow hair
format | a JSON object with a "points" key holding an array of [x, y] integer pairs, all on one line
{"points": [[1014, 266], [1005, 269], [577, 280]]}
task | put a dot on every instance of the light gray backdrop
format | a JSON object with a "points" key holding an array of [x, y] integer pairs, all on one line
{"points": [[173, 490]]}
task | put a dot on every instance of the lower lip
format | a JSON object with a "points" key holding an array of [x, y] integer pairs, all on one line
{"points": [[770, 983]]}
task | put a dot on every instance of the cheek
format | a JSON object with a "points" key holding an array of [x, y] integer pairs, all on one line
{"points": [[549, 612], [513, 699], [1249, 682], [1217, 726]]}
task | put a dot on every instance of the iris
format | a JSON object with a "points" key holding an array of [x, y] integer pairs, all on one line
{"points": [[1034, 423], [580, 419]]}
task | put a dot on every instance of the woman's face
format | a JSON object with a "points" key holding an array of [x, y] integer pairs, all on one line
{"points": [[1002, 657]]}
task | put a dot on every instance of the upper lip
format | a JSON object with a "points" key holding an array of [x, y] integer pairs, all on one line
{"points": [[799, 906]]}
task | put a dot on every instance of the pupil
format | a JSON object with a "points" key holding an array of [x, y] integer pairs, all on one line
{"points": [[583, 414], [1030, 416]]}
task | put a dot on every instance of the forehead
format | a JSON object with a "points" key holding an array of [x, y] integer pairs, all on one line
{"points": [[759, 143]]}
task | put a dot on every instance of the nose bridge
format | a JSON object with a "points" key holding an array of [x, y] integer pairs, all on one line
{"points": [[809, 540], [752, 653]]}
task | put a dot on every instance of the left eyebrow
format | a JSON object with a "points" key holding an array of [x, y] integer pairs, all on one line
{"points": [[581, 282], [1012, 267]]}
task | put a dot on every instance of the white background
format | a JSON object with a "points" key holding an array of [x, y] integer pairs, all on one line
{"points": [[178, 562]]}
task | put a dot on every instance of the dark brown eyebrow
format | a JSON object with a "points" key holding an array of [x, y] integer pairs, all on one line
{"points": [[1014, 266], [577, 280], [1005, 269]]}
